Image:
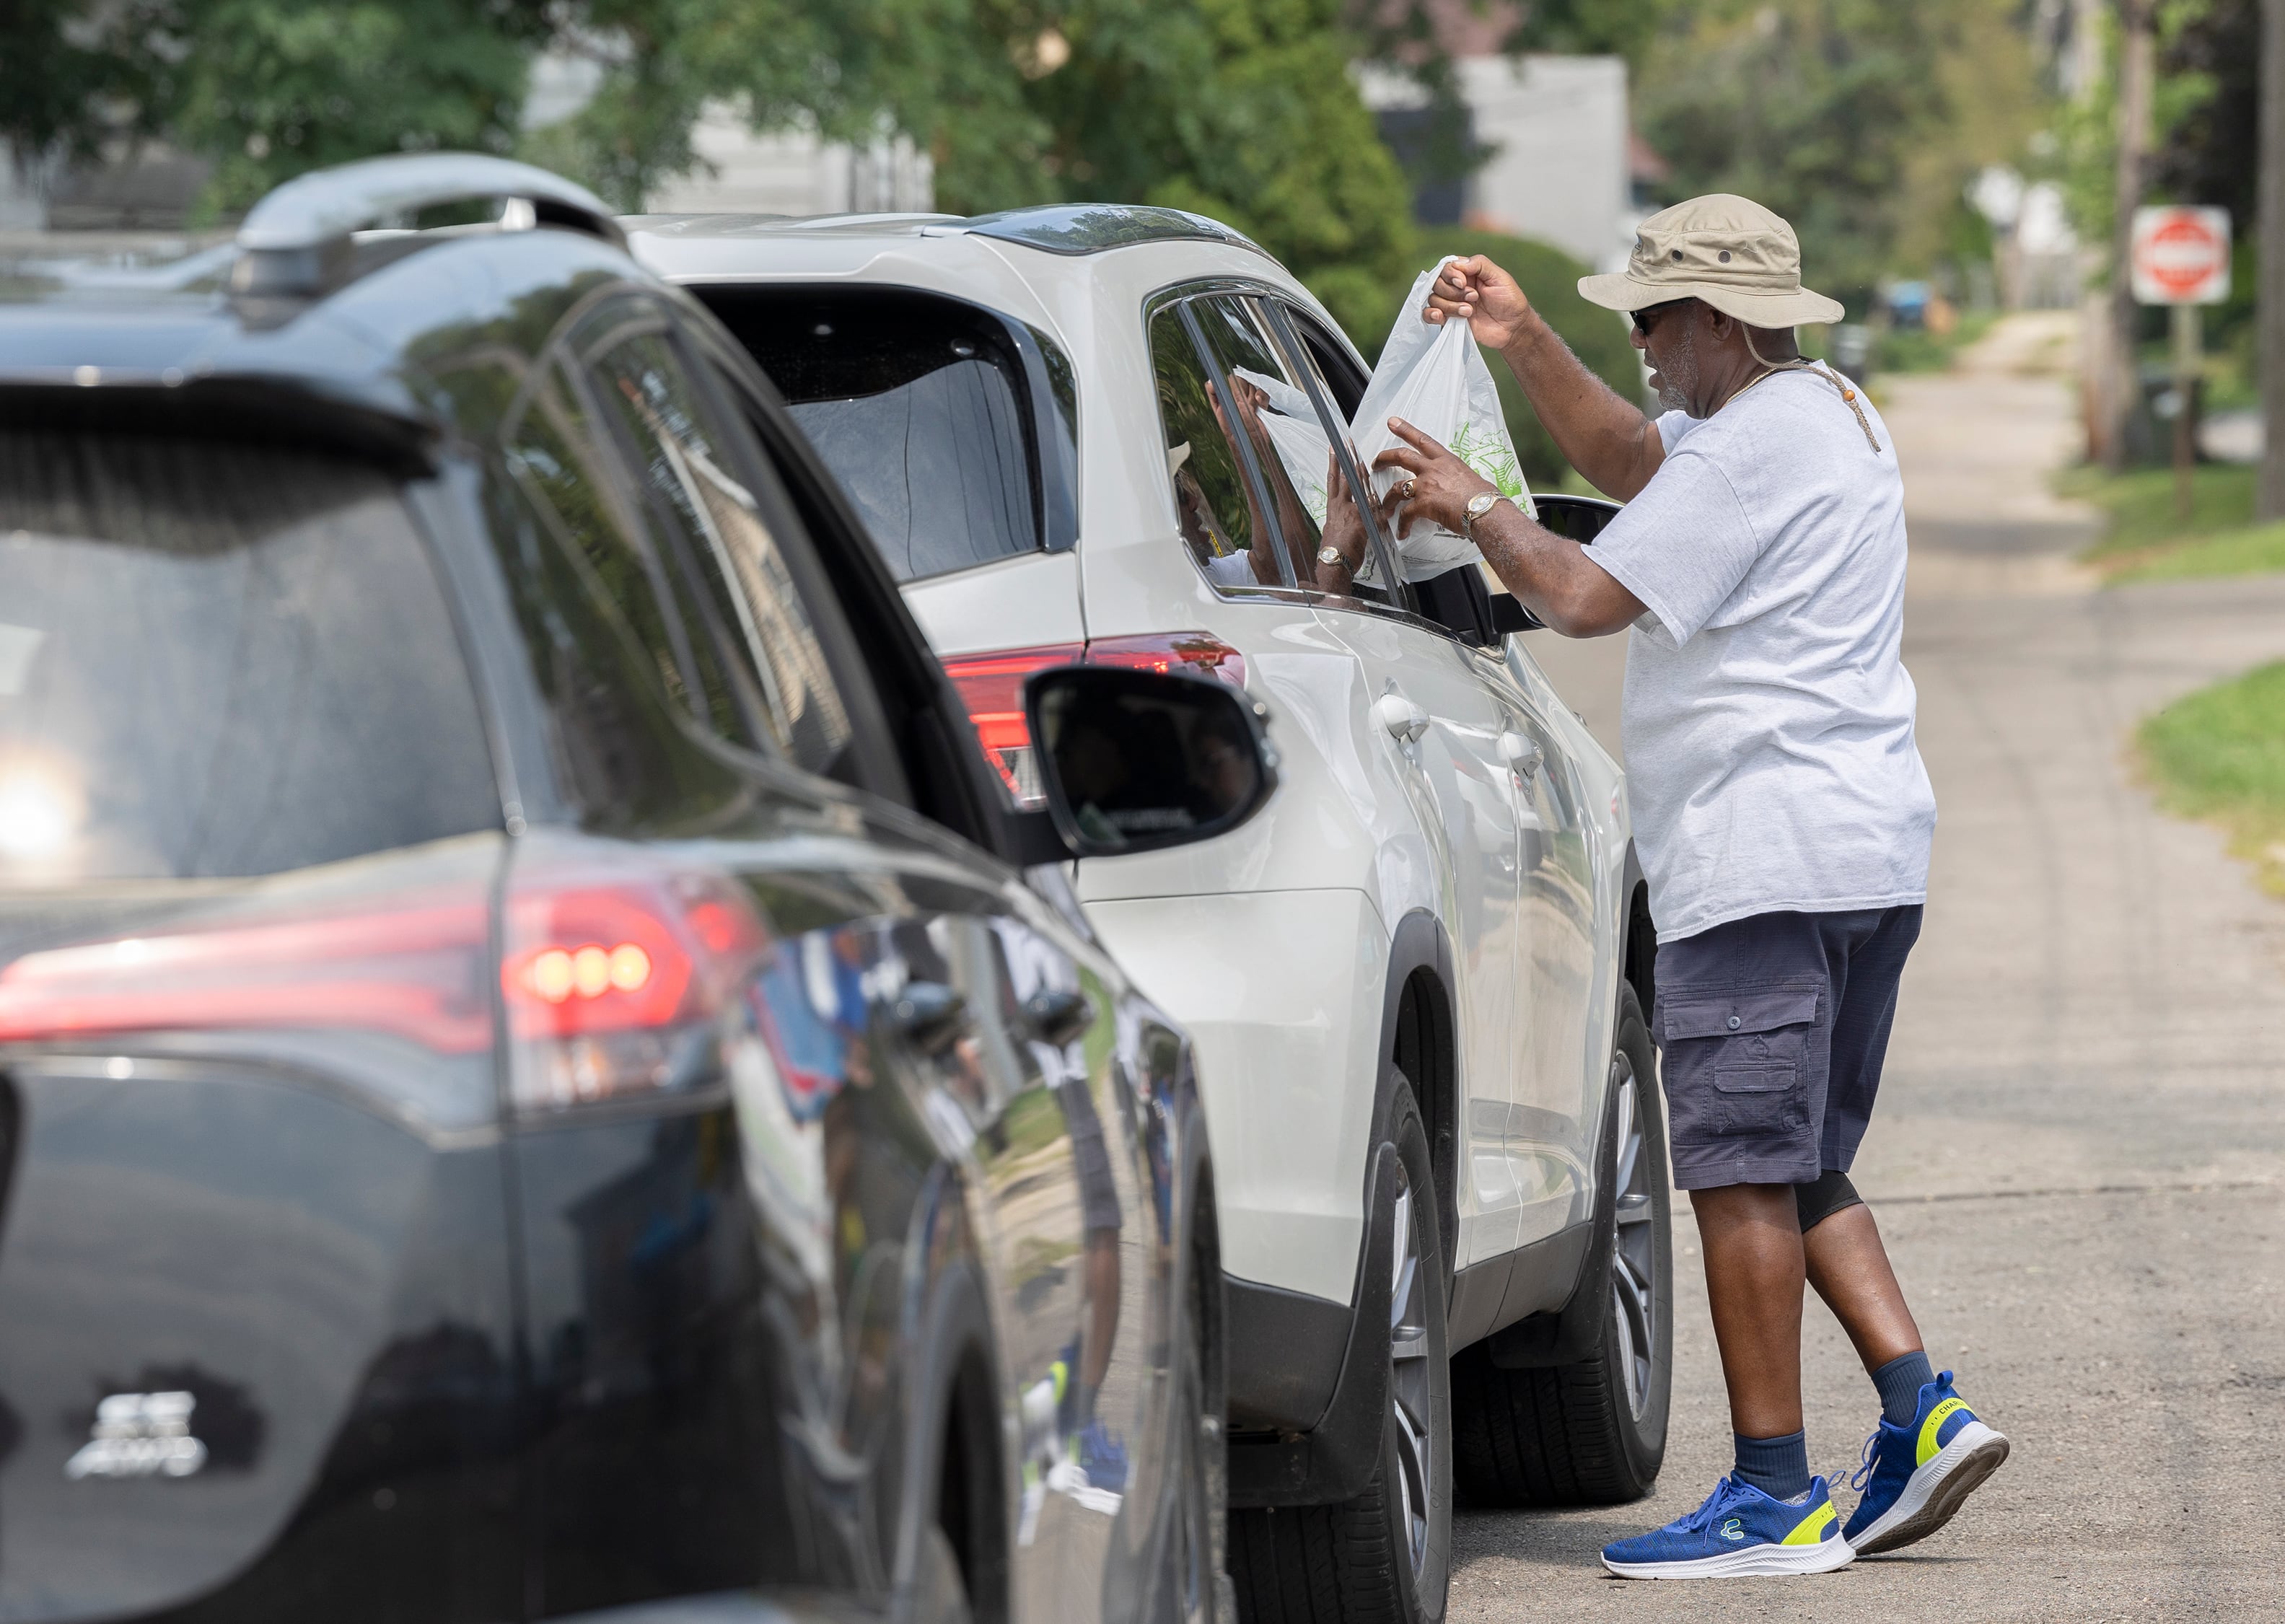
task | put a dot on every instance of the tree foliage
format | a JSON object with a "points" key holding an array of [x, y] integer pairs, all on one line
{"points": [[1860, 121]]}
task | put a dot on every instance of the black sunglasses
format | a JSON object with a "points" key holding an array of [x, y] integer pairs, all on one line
{"points": [[1650, 315]]}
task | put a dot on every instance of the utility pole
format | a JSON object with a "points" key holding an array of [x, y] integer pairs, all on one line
{"points": [[2121, 377], [2269, 497]]}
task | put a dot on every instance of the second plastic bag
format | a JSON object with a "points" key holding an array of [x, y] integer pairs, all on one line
{"points": [[1434, 377]]}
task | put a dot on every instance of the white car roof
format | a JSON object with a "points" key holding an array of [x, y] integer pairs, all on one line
{"points": [[1017, 261]]}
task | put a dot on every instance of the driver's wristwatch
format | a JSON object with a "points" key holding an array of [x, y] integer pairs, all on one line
{"points": [[1330, 556], [1479, 504]]}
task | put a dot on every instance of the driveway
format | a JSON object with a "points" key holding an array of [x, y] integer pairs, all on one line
{"points": [[2079, 1158]]}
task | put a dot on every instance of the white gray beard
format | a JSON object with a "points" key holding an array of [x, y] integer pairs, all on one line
{"points": [[1679, 375]]}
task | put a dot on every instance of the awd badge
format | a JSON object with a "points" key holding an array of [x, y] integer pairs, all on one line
{"points": [[140, 1435]]}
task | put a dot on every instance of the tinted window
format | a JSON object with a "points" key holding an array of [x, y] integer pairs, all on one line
{"points": [[554, 448], [1290, 447], [1214, 501], [219, 660], [601, 656], [763, 668], [1305, 352], [952, 430]]}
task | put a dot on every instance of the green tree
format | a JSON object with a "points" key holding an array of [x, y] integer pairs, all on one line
{"points": [[65, 78], [1860, 121], [271, 88], [1242, 109]]}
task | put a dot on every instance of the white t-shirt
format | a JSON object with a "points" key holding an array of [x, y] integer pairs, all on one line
{"points": [[1768, 718]]}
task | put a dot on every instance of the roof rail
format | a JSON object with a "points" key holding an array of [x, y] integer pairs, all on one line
{"points": [[296, 240]]}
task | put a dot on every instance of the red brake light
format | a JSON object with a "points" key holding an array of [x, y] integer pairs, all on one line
{"points": [[992, 686], [612, 979], [412, 970], [612, 976]]}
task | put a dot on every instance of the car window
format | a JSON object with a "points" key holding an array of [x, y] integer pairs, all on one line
{"points": [[1289, 444], [616, 691], [220, 660], [952, 430], [1215, 501], [761, 659], [1302, 346]]}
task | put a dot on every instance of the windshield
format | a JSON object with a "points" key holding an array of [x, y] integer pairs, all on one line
{"points": [[220, 660], [951, 429]]}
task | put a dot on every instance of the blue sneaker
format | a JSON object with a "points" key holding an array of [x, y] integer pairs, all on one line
{"points": [[1103, 1457], [1915, 1477], [1737, 1533]]}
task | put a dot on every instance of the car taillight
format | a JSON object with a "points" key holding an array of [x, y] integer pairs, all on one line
{"points": [[411, 969], [992, 686], [613, 982], [612, 976]]}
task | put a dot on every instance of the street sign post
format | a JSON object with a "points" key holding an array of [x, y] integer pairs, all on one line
{"points": [[2180, 258]]}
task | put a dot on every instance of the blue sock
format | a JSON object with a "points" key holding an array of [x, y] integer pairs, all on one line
{"points": [[1900, 1382], [1777, 1466]]}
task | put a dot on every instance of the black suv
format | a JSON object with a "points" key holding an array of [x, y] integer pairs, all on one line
{"points": [[533, 1078]]}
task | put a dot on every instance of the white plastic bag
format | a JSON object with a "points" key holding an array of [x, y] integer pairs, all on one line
{"points": [[1299, 434], [1434, 377]]}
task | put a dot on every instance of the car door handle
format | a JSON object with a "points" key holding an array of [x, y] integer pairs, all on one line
{"points": [[929, 1015], [1057, 1017], [1401, 717], [1523, 756]]}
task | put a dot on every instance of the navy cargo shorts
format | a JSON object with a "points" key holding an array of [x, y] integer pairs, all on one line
{"points": [[1771, 1030]]}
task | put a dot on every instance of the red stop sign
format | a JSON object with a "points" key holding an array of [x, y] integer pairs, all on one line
{"points": [[2181, 255]]}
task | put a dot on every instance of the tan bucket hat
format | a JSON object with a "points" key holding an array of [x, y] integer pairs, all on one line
{"points": [[1729, 251]]}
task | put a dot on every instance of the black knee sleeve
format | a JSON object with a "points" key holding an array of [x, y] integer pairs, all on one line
{"points": [[1820, 1201]]}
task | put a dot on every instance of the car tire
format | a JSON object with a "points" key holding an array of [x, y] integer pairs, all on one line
{"points": [[1591, 1431], [1384, 1556]]}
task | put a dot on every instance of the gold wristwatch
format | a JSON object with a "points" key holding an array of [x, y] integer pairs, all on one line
{"points": [[1479, 504]]}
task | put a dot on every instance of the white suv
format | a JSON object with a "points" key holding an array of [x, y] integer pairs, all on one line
{"points": [[1415, 983]]}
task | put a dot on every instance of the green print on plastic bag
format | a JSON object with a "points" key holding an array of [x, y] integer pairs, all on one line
{"points": [[1488, 457], [1313, 502]]}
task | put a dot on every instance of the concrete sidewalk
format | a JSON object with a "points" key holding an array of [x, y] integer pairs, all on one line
{"points": [[2079, 1161]]}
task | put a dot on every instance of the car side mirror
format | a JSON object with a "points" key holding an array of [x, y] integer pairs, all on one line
{"points": [[1138, 761], [1582, 518], [1509, 615]]}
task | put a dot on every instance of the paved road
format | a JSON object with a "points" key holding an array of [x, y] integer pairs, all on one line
{"points": [[2079, 1161]]}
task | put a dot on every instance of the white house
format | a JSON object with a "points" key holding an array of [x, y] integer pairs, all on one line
{"points": [[1558, 130]]}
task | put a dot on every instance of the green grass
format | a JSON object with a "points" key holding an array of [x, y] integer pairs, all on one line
{"points": [[2219, 755], [1919, 350], [2143, 540], [2254, 550]]}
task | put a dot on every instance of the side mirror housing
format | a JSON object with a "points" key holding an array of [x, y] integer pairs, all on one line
{"points": [[1137, 761], [1582, 518], [1509, 615]]}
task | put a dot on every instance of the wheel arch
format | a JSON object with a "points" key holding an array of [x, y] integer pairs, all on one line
{"points": [[1419, 1042], [955, 1476], [1639, 951]]}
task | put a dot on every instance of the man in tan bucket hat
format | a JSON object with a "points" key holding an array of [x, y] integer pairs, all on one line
{"points": [[1782, 817]]}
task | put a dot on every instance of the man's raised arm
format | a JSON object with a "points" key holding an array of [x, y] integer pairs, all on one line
{"points": [[1607, 439]]}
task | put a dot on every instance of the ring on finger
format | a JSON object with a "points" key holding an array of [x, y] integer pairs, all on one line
{"points": [[1410, 485]]}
